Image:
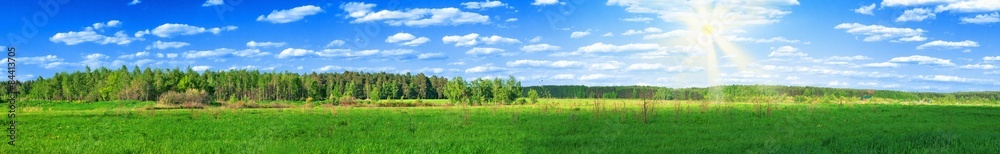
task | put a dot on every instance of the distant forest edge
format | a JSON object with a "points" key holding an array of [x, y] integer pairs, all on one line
{"points": [[103, 84]]}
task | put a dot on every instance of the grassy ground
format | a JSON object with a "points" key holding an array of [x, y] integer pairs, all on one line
{"points": [[554, 126]]}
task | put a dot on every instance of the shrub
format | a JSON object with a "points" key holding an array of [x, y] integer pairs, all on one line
{"points": [[801, 99], [192, 98], [348, 100], [533, 96], [521, 101]]}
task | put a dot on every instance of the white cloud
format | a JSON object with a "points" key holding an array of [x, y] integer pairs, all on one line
{"points": [[673, 33], [167, 45], [399, 54], [917, 14], [969, 6], [874, 33], [172, 29], [563, 77], [638, 19], [590, 77], [416, 17], [944, 78], [545, 63], [498, 40], [427, 56], [848, 58], [255, 44], [601, 47], [544, 2], [409, 38], [483, 5], [579, 34], [838, 83], [512, 20], [539, 48], [212, 3], [982, 19], [293, 52], [786, 51], [894, 3], [467, 40], [994, 58], [134, 2], [101, 26], [250, 53], [923, 60], [93, 60], [200, 68], [478, 51], [642, 31], [488, 68], [208, 53], [536, 39], [756, 12], [757, 40], [913, 39], [939, 44], [335, 43], [643, 67], [609, 65], [608, 34], [290, 15], [139, 54], [73, 38], [866, 9], [978, 66], [881, 65], [172, 55]]}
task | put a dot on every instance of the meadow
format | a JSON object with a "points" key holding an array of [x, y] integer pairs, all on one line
{"points": [[551, 126]]}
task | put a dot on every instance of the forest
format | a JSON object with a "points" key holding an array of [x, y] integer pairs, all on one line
{"points": [[149, 84]]}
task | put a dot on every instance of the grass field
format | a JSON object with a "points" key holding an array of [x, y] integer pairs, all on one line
{"points": [[553, 126]]}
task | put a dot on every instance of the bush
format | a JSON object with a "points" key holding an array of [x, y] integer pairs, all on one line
{"points": [[533, 96], [192, 98], [348, 100], [521, 101], [801, 99]]}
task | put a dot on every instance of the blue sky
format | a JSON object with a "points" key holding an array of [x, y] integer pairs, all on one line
{"points": [[909, 45]]}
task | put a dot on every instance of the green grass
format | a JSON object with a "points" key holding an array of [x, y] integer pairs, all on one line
{"points": [[572, 126]]}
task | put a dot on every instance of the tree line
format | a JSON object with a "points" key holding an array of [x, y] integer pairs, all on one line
{"points": [[747, 93], [103, 84]]}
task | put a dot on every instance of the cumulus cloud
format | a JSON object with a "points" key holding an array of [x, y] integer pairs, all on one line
{"points": [[979, 66], [134, 2], [874, 33], [601, 47], [579, 34], [200, 68], [642, 31], [638, 19], [544, 2], [483, 5], [917, 14], [739, 13], [173, 29], [923, 60], [406, 39], [290, 15], [212, 3], [255, 44], [591, 77], [768, 40], [673, 33], [415, 17], [609, 65], [563, 77], [74, 38], [866, 10], [982, 19], [480, 51], [335, 43], [498, 40], [167, 45], [939, 44], [430, 56], [539, 48], [294, 52], [546, 63], [786, 51], [466, 40], [881, 65], [488, 68]]}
